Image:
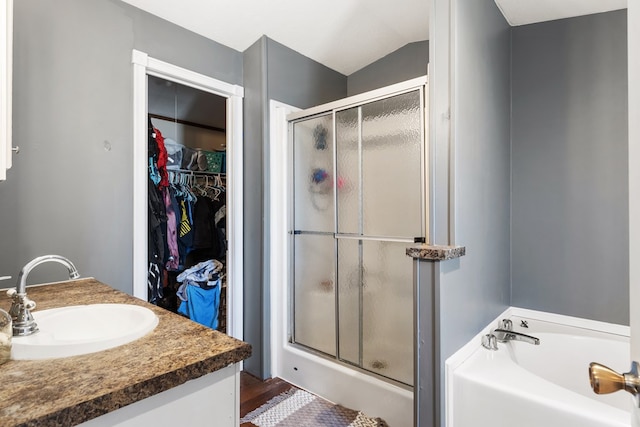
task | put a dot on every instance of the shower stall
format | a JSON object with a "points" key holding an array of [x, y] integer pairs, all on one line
{"points": [[357, 200]]}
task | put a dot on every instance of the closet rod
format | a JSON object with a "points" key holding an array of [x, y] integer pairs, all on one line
{"points": [[189, 171], [186, 122]]}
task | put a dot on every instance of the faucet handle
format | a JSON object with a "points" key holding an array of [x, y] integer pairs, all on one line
{"points": [[10, 292], [506, 324], [490, 342], [29, 304]]}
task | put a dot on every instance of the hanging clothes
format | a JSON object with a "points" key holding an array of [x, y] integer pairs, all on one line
{"points": [[153, 152], [161, 161], [202, 305], [157, 219], [184, 229], [200, 292], [173, 256], [207, 236], [154, 283]]}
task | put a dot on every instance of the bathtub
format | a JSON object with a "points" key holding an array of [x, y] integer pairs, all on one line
{"points": [[547, 385]]}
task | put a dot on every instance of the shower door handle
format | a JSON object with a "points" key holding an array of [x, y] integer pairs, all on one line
{"points": [[605, 380]]}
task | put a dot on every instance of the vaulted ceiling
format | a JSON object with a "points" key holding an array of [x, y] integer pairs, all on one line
{"points": [[521, 12], [345, 35]]}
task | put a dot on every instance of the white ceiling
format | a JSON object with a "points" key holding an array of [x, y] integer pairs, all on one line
{"points": [[345, 35], [521, 12]]}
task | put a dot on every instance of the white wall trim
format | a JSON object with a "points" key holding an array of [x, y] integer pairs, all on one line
{"points": [[140, 192], [633, 43], [158, 68], [279, 246], [6, 71], [144, 65], [235, 210]]}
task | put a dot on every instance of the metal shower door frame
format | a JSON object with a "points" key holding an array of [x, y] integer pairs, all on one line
{"points": [[419, 84]]}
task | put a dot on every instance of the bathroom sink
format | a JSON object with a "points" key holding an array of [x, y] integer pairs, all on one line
{"points": [[82, 329]]}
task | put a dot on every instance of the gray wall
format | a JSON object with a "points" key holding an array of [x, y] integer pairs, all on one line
{"points": [[403, 64], [299, 81], [73, 86], [253, 196], [272, 71], [570, 192], [474, 289]]}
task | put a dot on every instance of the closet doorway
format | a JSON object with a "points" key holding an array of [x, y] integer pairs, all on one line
{"points": [[198, 121]]}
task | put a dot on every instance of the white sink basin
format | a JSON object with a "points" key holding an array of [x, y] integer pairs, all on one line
{"points": [[82, 329]]}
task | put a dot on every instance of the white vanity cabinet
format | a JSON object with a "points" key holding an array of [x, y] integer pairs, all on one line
{"points": [[211, 400], [6, 55]]}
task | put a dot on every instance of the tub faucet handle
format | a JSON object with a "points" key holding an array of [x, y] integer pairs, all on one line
{"points": [[605, 380], [506, 324], [490, 342]]}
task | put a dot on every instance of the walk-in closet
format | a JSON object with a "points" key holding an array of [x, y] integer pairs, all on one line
{"points": [[187, 202]]}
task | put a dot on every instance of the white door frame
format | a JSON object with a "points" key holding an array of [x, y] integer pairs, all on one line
{"points": [[279, 247], [6, 82], [144, 65], [633, 38]]}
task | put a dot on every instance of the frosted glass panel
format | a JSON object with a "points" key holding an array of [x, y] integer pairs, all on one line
{"points": [[391, 169], [387, 317], [348, 170], [313, 174], [314, 292], [353, 299], [349, 300]]}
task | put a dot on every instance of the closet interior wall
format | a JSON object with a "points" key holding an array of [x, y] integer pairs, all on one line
{"points": [[187, 202]]}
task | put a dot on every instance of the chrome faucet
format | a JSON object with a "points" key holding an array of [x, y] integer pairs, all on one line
{"points": [[504, 335], [23, 323]]}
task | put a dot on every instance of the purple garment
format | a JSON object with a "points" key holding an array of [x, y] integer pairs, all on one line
{"points": [[173, 260]]}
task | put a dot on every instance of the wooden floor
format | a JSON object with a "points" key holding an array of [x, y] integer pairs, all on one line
{"points": [[255, 392]]}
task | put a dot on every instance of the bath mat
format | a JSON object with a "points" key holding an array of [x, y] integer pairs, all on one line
{"points": [[298, 408]]}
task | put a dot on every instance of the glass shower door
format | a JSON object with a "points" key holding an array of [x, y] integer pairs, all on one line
{"points": [[379, 146], [356, 207], [314, 301]]}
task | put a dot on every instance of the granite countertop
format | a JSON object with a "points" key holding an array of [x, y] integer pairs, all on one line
{"points": [[72, 390], [436, 252]]}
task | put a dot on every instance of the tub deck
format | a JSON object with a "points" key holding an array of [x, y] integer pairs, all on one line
{"points": [[547, 385]]}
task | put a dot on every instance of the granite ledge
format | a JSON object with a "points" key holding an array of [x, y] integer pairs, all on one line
{"points": [[436, 252], [69, 391]]}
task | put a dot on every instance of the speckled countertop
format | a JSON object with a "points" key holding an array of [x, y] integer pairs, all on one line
{"points": [[69, 391], [436, 252]]}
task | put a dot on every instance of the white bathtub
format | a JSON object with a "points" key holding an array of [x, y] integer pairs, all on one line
{"points": [[525, 385]]}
